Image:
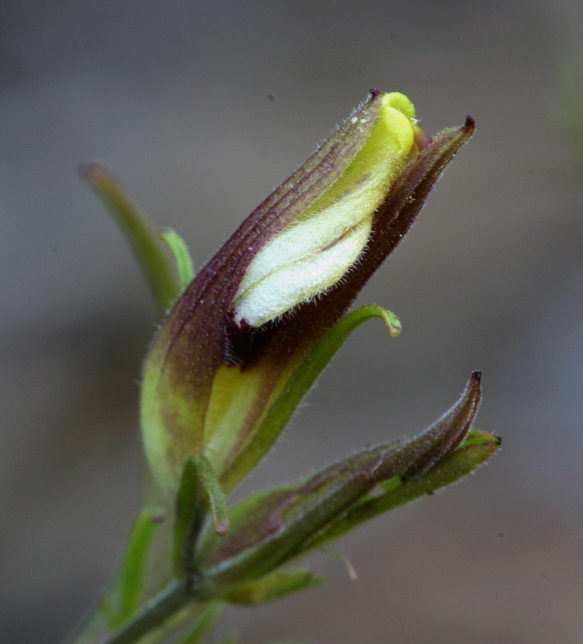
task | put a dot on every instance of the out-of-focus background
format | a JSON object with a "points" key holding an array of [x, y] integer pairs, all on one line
{"points": [[201, 108]]}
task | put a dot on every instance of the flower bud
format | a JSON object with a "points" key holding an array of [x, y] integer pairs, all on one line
{"points": [[315, 251], [228, 367]]}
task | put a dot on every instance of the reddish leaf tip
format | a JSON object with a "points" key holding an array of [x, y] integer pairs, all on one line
{"points": [[89, 169], [157, 517], [470, 124], [221, 529], [476, 377]]}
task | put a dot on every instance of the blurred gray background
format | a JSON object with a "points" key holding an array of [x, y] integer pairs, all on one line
{"points": [[201, 108]]}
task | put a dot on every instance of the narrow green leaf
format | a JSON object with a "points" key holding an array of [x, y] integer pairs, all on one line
{"points": [[473, 452], [134, 565], [216, 496], [272, 586], [204, 623], [199, 485], [145, 243], [184, 267], [478, 437], [188, 519], [110, 615], [298, 385]]}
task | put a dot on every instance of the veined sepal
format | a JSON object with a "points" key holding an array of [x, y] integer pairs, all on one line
{"points": [[208, 383]]}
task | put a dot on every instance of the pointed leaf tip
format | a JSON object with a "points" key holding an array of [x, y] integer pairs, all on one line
{"points": [[448, 432], [140, 234], [476, 449], [221, 528], [216, 496], [87, 169]]}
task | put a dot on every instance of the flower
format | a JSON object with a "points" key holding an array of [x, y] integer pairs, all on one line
{"points": [[315, 250], [243, 342], [255, 327]]}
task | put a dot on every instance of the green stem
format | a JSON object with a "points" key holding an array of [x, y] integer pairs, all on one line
{"points": [[173, 598]]}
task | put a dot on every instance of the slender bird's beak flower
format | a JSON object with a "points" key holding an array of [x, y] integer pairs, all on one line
{"points": [[241, 344], [255, 327]]}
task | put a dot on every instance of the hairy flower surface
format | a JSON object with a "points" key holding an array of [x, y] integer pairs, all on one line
{"points": [[316, 250], [227, 360]]}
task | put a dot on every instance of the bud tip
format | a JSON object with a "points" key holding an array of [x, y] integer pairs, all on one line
{"points": [[470, 124], [221, 528], [88, 169]]}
